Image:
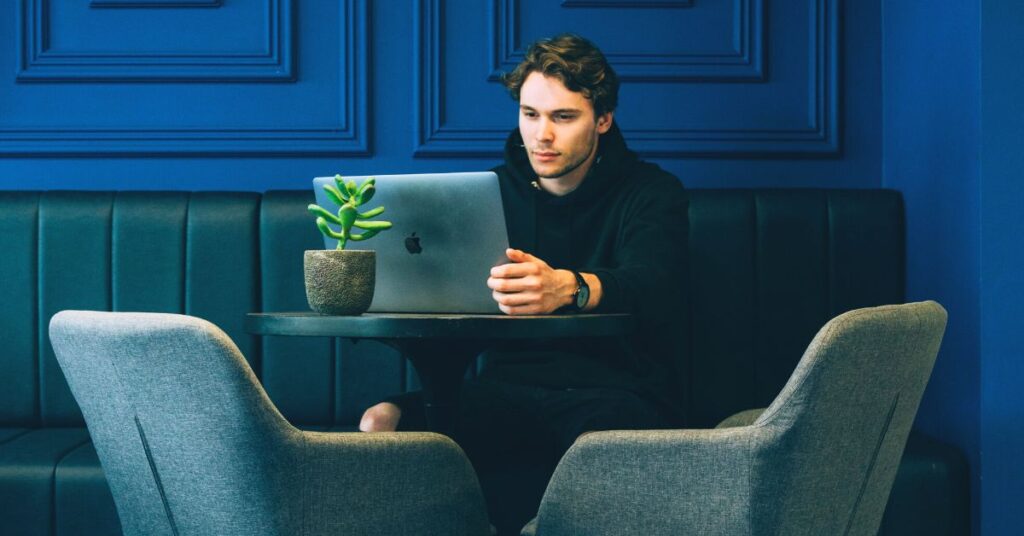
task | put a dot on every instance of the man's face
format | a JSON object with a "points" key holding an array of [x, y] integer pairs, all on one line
{"points": [[558, 127]]}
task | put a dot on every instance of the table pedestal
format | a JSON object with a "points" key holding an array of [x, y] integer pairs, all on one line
{"points": [[441, 366]]}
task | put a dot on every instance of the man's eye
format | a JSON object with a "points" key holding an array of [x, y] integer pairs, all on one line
{"points": [[565, 117]]}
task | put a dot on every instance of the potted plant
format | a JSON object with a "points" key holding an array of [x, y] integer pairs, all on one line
{"points": [[341, 281]]}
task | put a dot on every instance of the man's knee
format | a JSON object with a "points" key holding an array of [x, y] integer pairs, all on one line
{"points": [[382, 417]]}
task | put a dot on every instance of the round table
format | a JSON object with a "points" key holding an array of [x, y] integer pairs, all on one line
{"points": [[439, 346]]}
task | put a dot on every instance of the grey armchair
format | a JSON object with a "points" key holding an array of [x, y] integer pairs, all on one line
{"points": [[190, 443], [820, 459]]}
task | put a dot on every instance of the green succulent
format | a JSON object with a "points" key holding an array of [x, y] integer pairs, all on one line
{"points": [[349, 197]]}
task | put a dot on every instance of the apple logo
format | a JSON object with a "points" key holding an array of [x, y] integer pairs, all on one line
{"points": [[412, 244]]}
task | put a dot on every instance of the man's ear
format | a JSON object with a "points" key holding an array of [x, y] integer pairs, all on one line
{"points": [[604, 122]]}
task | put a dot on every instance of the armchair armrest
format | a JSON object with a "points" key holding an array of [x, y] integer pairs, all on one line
{"points": [[653, 482], [424, 477], [743, 418]]}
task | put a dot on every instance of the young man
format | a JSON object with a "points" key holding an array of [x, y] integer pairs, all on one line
{"points": [[592, 229]]}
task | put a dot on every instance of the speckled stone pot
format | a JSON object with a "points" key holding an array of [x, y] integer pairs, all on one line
{"points": [[340, 282]]}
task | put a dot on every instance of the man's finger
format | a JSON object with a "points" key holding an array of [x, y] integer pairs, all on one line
{"points": [[516, 284], [518, 255], [514, 270], [515, 298]]}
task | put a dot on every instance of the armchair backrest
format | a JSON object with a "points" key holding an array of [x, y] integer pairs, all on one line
{"points": [[184, 432], [843, 418]]}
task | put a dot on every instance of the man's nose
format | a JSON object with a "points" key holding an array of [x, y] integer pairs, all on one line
{"points": [[544, 132]]}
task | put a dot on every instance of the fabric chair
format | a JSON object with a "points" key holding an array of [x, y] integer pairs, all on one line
{"points": [[819, 460], [191, 444]]}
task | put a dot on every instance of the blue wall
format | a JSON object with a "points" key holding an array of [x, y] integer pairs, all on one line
{"points": [[931, 144], [1001, 257], [730, 93], [953, 125]]}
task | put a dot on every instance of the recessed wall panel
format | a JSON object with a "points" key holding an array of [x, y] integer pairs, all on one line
{"points": [[738, 79], [261, 77]]}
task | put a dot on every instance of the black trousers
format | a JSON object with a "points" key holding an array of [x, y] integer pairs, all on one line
{"points": [[515, 434]]}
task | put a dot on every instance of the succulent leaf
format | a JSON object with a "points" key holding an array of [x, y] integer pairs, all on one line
{"points": [[366, 193], [317, 210], [368, 234], [326, 230], [337, 197], [378, 225], [340, 185], [370, 213], [351, 187]]}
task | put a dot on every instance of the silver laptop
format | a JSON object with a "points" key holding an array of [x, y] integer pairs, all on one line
{"points": [[449, 230]]}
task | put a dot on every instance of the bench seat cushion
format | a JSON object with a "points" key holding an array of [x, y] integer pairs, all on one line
{"points": [[28, 463], [51, 482]]}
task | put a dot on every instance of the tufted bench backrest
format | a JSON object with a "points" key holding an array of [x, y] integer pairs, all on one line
{"points": [[767, 269]]}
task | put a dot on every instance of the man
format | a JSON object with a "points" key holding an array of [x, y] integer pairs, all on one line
{"points": [[592, 229]]}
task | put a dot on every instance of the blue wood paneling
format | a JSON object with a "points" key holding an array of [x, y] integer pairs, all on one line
{"points": [[713, 54], [721, 93], [720, 42], [186, 81], [72, 42]]}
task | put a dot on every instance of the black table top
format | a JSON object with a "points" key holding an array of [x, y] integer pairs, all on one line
{"points": [[439, 326]]}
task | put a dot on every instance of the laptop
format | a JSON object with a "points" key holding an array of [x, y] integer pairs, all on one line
{"points": [[448, 232]]}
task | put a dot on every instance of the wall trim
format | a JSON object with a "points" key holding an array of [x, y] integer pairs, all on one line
{"points": [[744, 63], [627, 4], [819, 137], [155, 3], [348, 137], [37, 63]]}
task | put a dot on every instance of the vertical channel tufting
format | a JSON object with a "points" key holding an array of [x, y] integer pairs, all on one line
{"points": [[148, 244], [298, 372], [222, 263], [865, 253], [792, 282], [19, 220], [74, 268], [721, 257]]}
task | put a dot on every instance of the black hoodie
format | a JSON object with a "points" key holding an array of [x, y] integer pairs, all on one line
{"points": [[627, 224]]}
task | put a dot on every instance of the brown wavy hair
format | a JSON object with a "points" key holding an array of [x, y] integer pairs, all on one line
{"points": [[577, 62]]}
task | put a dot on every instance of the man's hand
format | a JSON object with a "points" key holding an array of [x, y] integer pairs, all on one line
{"points": [[528, 286]]}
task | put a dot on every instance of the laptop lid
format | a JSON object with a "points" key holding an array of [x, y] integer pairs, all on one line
{"points": [[449, 231]]}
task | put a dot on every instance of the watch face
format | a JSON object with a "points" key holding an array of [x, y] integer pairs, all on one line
{"points": [[582, 297]]}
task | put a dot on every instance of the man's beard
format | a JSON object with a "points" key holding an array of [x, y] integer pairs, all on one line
{"points": [[566, 169]]}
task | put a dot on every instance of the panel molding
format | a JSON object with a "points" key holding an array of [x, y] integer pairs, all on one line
{"points": [[744, 63], [274, 63], [154, 3], [626, 4], [348, 137], [818, 137]]}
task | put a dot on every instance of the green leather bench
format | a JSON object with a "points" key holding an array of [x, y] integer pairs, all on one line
{"points": [[767, 269]]}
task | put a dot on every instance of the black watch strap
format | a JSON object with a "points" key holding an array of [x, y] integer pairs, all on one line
{"points": [[582, 294]]}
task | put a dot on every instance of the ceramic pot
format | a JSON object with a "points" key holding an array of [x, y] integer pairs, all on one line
{"points": [[340, 281]]}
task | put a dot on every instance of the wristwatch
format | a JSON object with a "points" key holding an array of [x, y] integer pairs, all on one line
{"points": [[581, 295]]}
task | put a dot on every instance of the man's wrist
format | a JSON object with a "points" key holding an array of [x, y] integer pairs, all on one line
{"points": [[568, 294]]}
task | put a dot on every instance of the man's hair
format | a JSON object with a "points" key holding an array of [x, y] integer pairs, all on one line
{"points": [[577, 62]]}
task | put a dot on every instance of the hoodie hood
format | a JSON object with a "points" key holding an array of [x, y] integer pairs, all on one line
{"points": [[613, 159]]}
